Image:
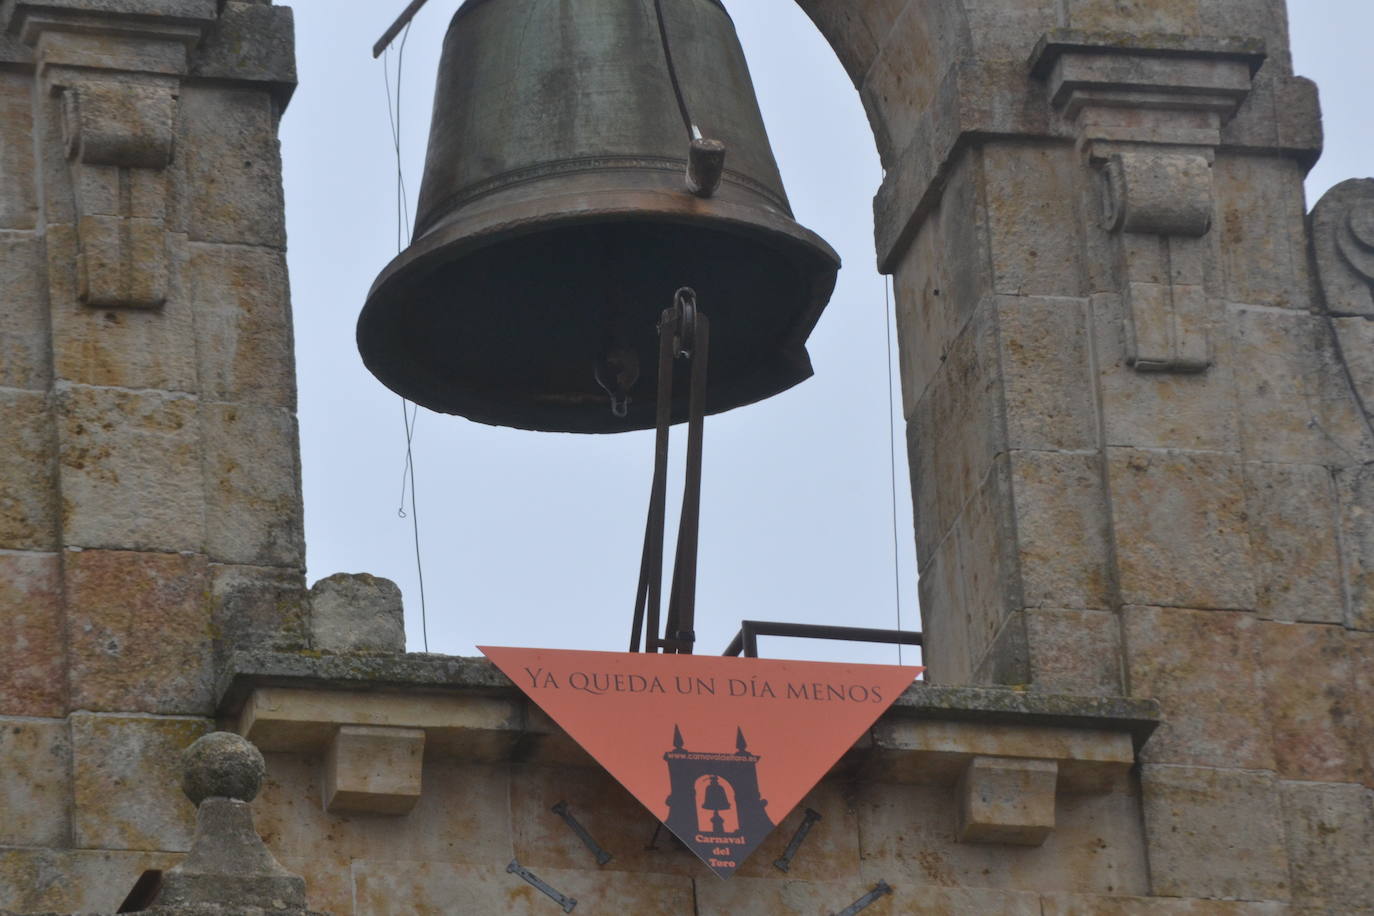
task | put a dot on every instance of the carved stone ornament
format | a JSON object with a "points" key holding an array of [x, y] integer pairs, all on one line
{"points": [[1343, 247], [1149, 120], [119, 139]]}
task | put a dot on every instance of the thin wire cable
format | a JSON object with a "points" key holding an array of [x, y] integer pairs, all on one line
{"points": [[892, 459], [410, 414]]}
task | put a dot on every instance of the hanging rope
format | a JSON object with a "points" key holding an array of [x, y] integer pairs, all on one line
{"points": [[692, 132], [892, 460], [410, 413]]}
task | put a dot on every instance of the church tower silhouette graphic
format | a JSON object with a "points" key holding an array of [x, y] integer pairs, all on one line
{"points": [[704, 787]]}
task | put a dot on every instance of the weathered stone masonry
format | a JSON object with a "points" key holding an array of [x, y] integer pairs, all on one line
{"points": [[1136, 376]]}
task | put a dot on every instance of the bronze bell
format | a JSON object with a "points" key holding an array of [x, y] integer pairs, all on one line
{"points": [[555, 221]]}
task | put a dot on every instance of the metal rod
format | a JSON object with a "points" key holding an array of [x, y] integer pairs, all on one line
{"points": [[562, 810], [785, 862], [649, 594], [390, 34], [747, 639], [879, 891], [681, 626], [567, 903]]}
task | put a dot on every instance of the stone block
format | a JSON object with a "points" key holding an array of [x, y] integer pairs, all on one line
{"points": [[1162, 409], [474, 729], [120, 347], [464, 817], [1181, 531], [35, 782], [1062, 529], [1356, 338], [1006, 661], [1362, 668], [1047, 380], [1311, 703], [1134, 16], [138, 632], [243, 324], [1330, 833], [258, 607], [28, 498], [231, 188], [1204, 669], [254, 513], [373, 770], [33, 654], [765, 897], [1065, 905], [854, 32], [122, 262], [942, 279], [130, 466], [1074, 651], [1355, 494], [432, 887], [985, 541], [1032, 200], [932, 752], [956, 430], [251, 42], [1294, 542], [1214, 833], [19, 203], [24, 351], [899, 86], [908, 840], [1295, 402], [72, 880], [1260, 224], [943, 617], [1007, 800], [126, 777], [328, 886], [357, 613], [1003, 31]]}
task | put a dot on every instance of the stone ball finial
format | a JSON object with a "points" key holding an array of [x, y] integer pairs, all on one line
{"points": [[222, 765]]}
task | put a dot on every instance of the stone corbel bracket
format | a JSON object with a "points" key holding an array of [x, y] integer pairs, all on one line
{"points": [[1148, 117], [119, 138], [115, 69]]}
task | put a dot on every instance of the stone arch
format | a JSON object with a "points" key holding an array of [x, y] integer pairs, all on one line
{"points": [[896, 86]]}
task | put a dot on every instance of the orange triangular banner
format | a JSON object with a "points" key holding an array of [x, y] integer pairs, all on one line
{"points": [[719, 749]]}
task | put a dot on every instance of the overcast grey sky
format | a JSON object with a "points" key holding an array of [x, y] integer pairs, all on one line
{"points": [[534, 539]]}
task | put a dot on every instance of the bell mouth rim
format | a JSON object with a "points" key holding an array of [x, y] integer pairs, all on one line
{"points": [[469, 233]]}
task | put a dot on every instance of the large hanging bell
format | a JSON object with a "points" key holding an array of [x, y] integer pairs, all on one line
{"points": [[556, 221]]}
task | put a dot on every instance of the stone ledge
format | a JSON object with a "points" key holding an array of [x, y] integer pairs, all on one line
{"points": [[297, 702], [1054, 44]]}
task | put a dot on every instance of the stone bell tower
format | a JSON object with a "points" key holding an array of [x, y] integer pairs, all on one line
{"points": [[1137, 383], [150, 512]]}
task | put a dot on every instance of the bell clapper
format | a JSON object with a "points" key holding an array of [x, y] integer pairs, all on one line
{"points": [[617, 371]]}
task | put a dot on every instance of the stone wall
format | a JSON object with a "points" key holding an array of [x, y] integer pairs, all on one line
{"points": [[150, 513], [1136, 380]]}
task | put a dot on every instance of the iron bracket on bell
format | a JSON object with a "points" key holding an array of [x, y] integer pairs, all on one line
{"points": [[683, 333]]}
